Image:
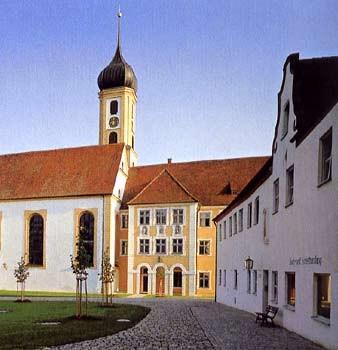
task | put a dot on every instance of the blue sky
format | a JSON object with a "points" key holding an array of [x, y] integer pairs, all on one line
{"points": [[208, 71]]}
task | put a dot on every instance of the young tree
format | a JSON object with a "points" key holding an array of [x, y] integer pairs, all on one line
{"points": [[79, 265], [21, 274], [107, 277]]}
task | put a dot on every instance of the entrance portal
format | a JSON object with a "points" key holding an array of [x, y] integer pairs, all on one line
{"points": [[177, 281], [160, 281], [144, 280]]}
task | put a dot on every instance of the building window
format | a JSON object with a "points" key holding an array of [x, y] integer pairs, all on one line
{"points": [[323, 294], [256, 213], [248, 287], [224, 278], [286, 113], [325, 157], [254, 281], [225, 229], [249, 223], [124, 247], [276, 196], [178, 246], [204, 247], [289, 185], [240, 220], [144, 246], [275, 286], [36, 237], [235, 223], [230, 226], [204, 280], [112, 137], [160, 246], [161, 216], [124, 221], [114, 107], [220, 277], [178, 216], [144, 217], [133, 142], [205, 219], [86, 231], [290, 288], [220, 232], [235, 279]]}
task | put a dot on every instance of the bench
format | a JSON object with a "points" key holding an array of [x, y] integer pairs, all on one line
{"points": [[267, 317]]}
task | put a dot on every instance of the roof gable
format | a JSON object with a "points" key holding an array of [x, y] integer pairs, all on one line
{"points": [[164, 188], [65, 172]]}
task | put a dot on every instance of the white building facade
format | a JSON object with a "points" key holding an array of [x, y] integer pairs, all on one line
{"points": [[286, 219]]}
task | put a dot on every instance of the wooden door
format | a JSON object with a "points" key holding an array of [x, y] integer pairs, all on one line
{"points": [[177, 276], [144, 280], [160, 281]]}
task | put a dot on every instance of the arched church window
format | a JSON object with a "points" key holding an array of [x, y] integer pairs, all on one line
{"points": [[86, 230], [114, 107], [36, 232], [132, 142], [112, 137]]}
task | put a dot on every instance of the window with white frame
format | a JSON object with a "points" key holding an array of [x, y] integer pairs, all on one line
{"points": [[144, 246], [240, 220], [254, 282], [224, 278], [205, 219], [177, 245], [290, 279], [249, 219], [203, 278], [224, 229], [178, 216], [161, 216], [289, 185], [124, 247], [275, 286], [235, 279], [286, 115], [220, 232], [235, 223], [276, 196], [124, 221], [322, 295], [204, 247], [144, 217], [230, 226], [160, 246], [256, 211], [248, 279], [219, 277], [325, 157]]}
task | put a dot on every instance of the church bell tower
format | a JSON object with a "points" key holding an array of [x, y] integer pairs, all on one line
{"points": [[118, 87]]}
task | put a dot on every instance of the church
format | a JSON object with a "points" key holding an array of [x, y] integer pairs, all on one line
{"points": [[154, 221]]}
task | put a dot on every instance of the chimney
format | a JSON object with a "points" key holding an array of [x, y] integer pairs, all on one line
{"points": [[169, 160]]}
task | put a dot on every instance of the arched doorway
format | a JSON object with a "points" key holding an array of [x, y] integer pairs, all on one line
{"points": [[160, 273], [144, 280], [177, 281]]}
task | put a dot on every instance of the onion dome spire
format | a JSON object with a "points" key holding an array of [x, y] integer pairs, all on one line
{"points": [[118, 73]]}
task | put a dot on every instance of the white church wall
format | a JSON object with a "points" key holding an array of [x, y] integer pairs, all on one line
{"points": [[59, 243]]}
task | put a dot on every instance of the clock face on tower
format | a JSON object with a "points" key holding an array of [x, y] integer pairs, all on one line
{"points": [[113, 122]]}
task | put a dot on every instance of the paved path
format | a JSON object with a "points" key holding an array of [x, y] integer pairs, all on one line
{"points": [[195, 324]]}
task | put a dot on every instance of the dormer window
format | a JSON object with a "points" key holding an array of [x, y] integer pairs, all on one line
{"points": [[114, 107], [286, 112]]}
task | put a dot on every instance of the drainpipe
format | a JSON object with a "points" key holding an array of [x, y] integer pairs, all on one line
{"points": [[216, 267], [103, 213]]}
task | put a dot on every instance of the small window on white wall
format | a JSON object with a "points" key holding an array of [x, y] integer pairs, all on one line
{"points": [[325, 157], [286, 113]]}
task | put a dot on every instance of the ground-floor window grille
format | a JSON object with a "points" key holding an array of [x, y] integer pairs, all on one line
{"points": [[220, 277], [254, 282], [248, 289], [224, 278]]}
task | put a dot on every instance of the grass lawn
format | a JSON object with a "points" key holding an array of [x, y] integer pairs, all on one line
{"points": [[29, 294], [19, 328]]}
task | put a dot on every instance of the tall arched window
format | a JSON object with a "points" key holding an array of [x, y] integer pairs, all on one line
{"points": [[114, 107], [113, 137], [86, 230], [36, 228]]}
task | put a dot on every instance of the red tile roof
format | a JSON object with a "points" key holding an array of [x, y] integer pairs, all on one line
{"points": [[164, 188], [257, 180], [60, 173], [211, 182]]}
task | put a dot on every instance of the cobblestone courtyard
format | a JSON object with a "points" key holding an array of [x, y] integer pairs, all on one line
{"points": [[195, 324]]}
